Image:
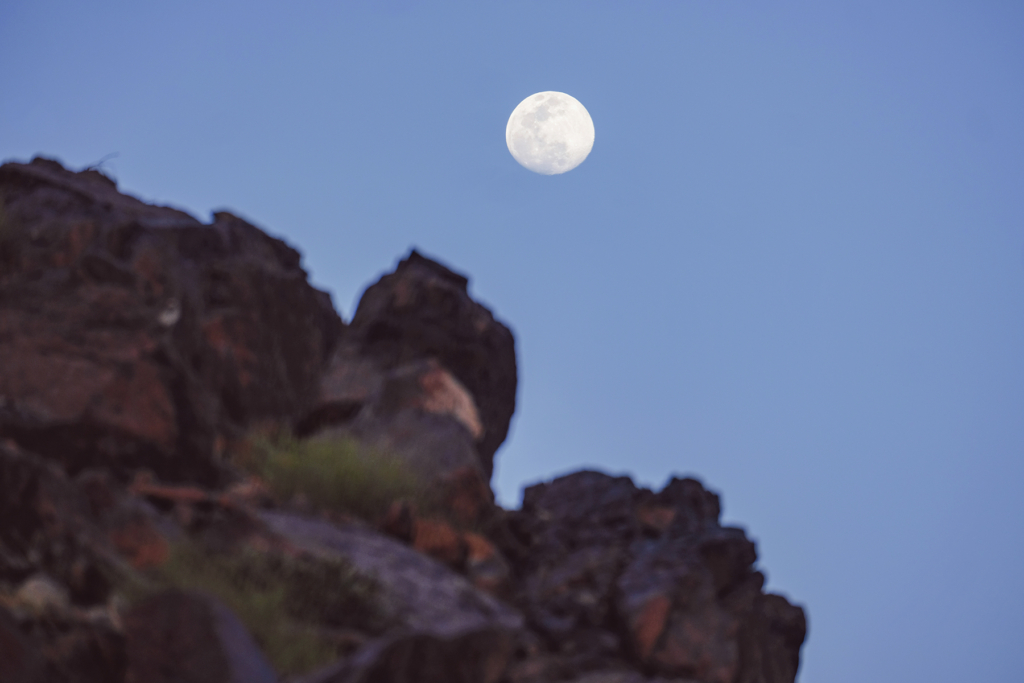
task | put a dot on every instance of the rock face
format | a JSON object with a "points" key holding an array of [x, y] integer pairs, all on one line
{"points": [[138, 345], [417, 411], [177, 637], [614, 571], [423, 311], [424, 595], [134, 335], [445, 625]]}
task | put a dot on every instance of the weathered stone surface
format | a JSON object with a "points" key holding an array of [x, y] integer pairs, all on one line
{"points": [[675, 622], [579, 526], [46, 639], [417, 412], [448, 630], [421, 385], [770, 640], [46, 527], [423, 312], [180, 637], [419, 657], [20, 658], [605, 557], [78, 651], [423, 594], [135, 335], [486, 567], [468, 552]]}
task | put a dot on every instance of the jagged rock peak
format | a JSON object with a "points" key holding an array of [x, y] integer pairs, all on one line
{"points": [[421, 312]]}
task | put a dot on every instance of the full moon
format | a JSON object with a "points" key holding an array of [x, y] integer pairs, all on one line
{"points": [[550, 133]]}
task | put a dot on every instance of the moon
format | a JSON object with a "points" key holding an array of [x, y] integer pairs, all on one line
{"points": [[550, 133]]}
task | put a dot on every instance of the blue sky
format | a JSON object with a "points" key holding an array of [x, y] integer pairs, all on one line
{"points": [[792, 266]]}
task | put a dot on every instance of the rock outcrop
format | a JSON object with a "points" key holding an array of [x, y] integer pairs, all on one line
{"points": [[423, 312], [147, 360], [182, 637], [133, 335], [615, 572]]}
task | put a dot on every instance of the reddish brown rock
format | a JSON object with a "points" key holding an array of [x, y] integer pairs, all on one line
{"points": [[416, 412], [135, 335], [648, 624], [656, 518], [177, 637], [447, 629], [141, 543], [486, 568], [423, 311], [138, 344], [82, 652], [770, 640], [20, 659], [660, 570], [677, 625], [79, 532], [441, 541], [47, 527], [412, 414]]}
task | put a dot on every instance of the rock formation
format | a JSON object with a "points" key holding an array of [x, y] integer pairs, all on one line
{"points": [[165, 386], [133, 335]]}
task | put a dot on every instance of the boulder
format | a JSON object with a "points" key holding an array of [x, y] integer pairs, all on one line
{"points": [[423, 312], [47, 528], [188, 637], [134, 335], [62, 646], [423, 593], [20, 658], [468, 552], [418, 413], [44, 638], [445, 629]]}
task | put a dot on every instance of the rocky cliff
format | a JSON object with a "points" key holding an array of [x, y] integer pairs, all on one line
{"points": [[205, 475]]}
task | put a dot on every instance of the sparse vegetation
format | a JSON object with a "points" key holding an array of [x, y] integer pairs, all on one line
{"points": [[293, 606], [335, 474]]}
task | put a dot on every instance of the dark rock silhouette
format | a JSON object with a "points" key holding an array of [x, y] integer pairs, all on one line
{"points": [[133, 335], [614, 569], [177, 637], [143, 353], [423, 310]]}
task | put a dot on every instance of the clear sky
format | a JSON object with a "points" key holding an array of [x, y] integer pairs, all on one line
{"points": [[792, 266]]}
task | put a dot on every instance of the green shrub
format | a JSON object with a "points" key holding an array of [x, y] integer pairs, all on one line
{"points": [[289, 604], [334, 474]]}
